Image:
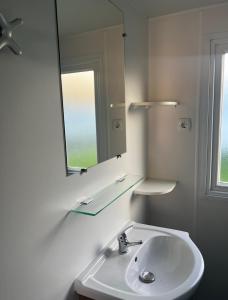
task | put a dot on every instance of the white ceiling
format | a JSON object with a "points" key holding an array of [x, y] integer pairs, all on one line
{"points": [[77, 16], [155, 8]]}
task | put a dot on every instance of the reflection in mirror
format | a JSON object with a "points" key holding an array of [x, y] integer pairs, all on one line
{"points": [[91, 49], [79, 108]]}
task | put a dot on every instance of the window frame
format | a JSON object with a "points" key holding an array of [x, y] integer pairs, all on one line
{"points": [[218, 46], [95, 63]]}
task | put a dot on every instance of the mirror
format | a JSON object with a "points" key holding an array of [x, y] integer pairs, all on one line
{"points": [[91, 50]]}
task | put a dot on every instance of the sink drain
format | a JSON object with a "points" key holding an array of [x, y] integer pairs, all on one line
{"points": [[147, 277]]}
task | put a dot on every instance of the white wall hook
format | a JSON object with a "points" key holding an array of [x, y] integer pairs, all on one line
{"points": [[6, 33]]}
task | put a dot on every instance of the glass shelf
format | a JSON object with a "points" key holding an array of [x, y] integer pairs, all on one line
{"points": [[108, 195], [149, 104]]}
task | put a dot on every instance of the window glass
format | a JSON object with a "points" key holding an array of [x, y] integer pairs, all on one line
{"points": [[223, 166], [80, 119]]}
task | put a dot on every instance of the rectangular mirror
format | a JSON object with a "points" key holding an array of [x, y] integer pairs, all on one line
{"points": [[91, 50]]}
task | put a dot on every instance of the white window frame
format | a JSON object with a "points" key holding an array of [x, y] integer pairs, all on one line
{"points": [[215, 47], [95, 63]]}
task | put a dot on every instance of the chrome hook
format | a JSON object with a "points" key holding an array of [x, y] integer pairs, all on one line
{"points": [[6, 33]]}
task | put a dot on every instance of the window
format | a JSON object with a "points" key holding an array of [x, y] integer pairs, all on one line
{"points": [[78, 90], [217, 119], [223, 145], [85, 111]]}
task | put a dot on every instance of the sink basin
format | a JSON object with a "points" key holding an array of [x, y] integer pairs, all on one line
{"points": [[166, 266]]}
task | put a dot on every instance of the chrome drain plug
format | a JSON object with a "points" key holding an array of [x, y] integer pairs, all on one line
{"points": [[147, 277]]}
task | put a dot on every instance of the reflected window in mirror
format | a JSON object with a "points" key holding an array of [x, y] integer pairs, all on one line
{"points": [[79, 108], [91, 50]]}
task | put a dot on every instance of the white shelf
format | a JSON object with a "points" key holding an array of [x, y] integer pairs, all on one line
{"points": [[117, 105], [149, 104], [151, 187]]}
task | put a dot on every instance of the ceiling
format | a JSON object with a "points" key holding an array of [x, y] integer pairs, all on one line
{"points": [[78, 16], [155, 8]]}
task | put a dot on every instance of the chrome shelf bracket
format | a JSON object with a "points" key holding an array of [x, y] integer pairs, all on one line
{"points": [[6, 34]]}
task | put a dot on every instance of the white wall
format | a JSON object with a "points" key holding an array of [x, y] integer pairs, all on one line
{"points": [[173, 74], [43, 248], [175, 53]]}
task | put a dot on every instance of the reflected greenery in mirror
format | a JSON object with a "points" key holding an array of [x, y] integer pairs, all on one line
{"points": [[79, 108], [91, 49]]}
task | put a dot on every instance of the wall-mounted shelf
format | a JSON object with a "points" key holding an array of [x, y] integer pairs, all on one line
{"points": [[151, 187], [96, 203], [117, 105], [149, 104]]}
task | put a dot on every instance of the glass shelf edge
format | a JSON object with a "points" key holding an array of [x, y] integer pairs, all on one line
{"points": [[149, 104], [95, 213]]}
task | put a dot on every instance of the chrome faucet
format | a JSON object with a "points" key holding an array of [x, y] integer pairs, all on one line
{"points": [[124, 244]]}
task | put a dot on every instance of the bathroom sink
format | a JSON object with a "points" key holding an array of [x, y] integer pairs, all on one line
{"points": [[166, 266]]}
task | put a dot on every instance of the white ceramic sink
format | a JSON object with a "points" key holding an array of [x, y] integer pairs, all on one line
{"points": [[170, 255]]}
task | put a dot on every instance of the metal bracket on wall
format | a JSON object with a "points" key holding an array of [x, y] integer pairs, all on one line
{"points": [[83, 171], [6, 33]]}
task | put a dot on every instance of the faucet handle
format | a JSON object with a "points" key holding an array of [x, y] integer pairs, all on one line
{"points": [[122, 238], [123, 241], [123, 233]]}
